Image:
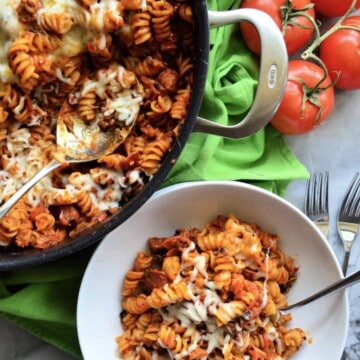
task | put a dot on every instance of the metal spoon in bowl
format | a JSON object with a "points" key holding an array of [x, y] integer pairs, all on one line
{"points": [[77, 142], [336, 286]]}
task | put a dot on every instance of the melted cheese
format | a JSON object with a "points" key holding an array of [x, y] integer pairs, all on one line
{"points": [[201, 310], [10, 28], [88, 24], [265, 296], [124, 105], [73, 42], [106, 186], [9, 22], [23, 160], [143, 5], [61, 6]]}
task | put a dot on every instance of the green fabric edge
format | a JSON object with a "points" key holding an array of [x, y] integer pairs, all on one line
{"points": [[49, 332]]}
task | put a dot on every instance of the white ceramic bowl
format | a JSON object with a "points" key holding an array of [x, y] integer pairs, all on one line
{"points": [[195, 204]]}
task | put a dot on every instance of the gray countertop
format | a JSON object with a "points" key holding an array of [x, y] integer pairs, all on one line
{"points": [[333, 147]]}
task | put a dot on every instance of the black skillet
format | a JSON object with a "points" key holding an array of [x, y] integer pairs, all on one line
{"points": [[272, 81]]}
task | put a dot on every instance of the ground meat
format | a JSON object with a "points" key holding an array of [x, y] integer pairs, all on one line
{"points": [[69, 215], [153, 279], [170, 246], [167, 80]]}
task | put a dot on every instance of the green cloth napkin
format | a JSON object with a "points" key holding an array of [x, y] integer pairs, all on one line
{"points": [[42, 299], [262, 159]]}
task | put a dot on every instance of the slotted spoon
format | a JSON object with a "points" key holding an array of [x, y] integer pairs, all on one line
{"points": [[76, 142]]}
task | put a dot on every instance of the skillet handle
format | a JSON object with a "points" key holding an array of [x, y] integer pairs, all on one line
{"points": [[272, 77]]}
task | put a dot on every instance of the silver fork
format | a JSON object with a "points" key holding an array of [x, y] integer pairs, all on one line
{"points": [[317, 200], [349, 219]]}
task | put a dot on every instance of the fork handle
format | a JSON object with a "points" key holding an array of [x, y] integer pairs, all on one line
{"points": [[336, 286], [323, 227], [5, 208], [345, 263]]}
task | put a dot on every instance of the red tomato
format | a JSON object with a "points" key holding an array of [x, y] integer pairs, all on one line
{"points": [[297, 28], [340, 52], [332, 8], [298, 112]]}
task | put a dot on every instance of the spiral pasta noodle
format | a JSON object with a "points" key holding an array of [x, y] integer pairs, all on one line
{"points": [[141, 27], [27, 10], [21, 63], [153, 152], [162, 12], [87, 105], [57, 22], [111, 62], [232, 313]]}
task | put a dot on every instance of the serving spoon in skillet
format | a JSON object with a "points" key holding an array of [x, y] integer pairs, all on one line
{"points": [[332, 288], [77, 142]]}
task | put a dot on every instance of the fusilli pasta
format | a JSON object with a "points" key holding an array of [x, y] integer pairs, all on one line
{"points": [[211, 293], [126, 62]]}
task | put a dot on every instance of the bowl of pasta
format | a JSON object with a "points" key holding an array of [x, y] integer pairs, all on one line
{"points": [[204, 277], [135, 63]]}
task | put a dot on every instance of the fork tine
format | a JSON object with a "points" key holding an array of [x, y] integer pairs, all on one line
{"points": [[316, 199], [352, 199], [349, 218], [354, 205], [309, 194], [324, 185]]}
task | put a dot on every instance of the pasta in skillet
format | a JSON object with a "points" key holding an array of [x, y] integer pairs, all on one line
{"points": [[127, 62], [211, 293]]}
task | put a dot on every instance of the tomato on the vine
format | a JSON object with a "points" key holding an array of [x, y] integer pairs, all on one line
{"points": [[333, 8], [293, 17], [340, 52], [308, 99]]}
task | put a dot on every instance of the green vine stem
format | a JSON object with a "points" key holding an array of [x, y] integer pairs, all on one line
{"points": [[309, 52], [288, 14], [311, 94]]}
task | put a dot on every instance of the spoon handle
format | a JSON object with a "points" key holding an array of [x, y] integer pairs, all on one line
{"points": [[337, 286], [4, 209]]}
